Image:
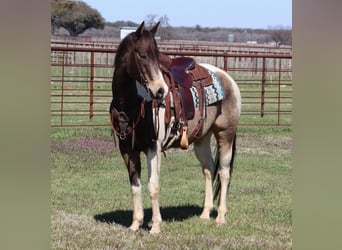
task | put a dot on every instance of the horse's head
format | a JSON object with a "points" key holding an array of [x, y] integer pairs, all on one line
{"points": [[145, 61]]}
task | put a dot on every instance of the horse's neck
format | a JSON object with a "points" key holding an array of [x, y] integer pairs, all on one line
{"points": [[124, 92]]}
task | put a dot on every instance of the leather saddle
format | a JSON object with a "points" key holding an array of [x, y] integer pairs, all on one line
{"points": [[184, 70], [180, 68], [181, 74]]}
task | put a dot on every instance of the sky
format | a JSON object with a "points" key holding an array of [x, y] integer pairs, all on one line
{"points": [[210, 13]]}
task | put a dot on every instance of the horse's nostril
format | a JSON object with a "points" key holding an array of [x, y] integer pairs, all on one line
{"points": [[160, 93]]}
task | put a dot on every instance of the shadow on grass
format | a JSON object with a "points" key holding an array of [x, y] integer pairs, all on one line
{"points": [[124, 217]]}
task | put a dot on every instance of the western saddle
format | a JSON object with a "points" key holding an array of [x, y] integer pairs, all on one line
{"points": [[181, 74]]}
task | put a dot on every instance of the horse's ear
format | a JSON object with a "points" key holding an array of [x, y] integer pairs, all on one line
{"points": [[155, 28], [140, 29]]}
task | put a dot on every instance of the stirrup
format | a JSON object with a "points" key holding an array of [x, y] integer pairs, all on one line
{"points": [[184, 143]]}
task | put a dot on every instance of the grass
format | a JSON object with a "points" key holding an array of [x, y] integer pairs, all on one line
{"points": [[91, 201]]}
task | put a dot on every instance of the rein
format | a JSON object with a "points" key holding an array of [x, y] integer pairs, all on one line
{"points": [[121, 117]]}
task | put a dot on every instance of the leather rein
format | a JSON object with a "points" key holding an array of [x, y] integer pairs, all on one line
{"points": [[124, 129]]}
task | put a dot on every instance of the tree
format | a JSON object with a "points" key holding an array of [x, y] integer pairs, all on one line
{"points": [[165, 31], [281, 35], [150, 19], [74, 16]]}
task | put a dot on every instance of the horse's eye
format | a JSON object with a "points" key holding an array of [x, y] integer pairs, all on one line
{"points": [[142, 56]]}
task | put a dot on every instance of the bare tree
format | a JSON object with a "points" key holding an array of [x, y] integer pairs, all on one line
{"points": [[281, 35], [164, 21], [150, 19], [165, 30]]}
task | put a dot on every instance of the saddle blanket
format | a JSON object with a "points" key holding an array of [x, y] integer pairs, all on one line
{"points": [[214, 91]]}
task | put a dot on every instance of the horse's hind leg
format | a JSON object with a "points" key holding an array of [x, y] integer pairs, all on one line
{"points": [[225, 149], [203, 153]]}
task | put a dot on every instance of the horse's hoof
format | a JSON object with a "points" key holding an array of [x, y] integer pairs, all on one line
{"points": [[134, 227], [204, 218], [155, 229], [220, 221], [205, 215]]}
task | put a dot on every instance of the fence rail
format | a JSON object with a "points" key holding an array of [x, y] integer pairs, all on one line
{"points": [[81, 82]]}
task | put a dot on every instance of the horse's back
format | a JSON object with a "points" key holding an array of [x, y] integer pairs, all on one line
{"points": [[231, 89], [224, 114]]}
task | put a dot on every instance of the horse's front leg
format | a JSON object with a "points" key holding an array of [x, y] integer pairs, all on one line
{"points": [[132, 161], [153, 162]]}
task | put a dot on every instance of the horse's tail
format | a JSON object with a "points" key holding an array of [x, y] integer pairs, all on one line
{"points": [[217, 181]]}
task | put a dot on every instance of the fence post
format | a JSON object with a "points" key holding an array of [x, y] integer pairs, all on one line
{"points": [[62, 94], [263, 81], [225, 63], [279, 89], [91, 94]]}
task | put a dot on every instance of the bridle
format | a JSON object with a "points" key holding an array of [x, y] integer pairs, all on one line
{"points": [[121, 118]]}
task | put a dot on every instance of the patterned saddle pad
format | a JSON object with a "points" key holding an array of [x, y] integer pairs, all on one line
{"points": [[214, 91]]}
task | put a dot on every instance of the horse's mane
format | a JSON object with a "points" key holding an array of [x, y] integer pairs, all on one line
{"points": [[127, 45], [124, 50]]}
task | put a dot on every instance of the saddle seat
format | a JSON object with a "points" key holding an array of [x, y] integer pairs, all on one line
{"points": [[184, 70], [180, 68]]}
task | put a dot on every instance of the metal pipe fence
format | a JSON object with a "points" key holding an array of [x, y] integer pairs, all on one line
{"points": [[81, 83]]}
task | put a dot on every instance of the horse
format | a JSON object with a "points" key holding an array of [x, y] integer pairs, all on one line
{"points": [[137, 117]]}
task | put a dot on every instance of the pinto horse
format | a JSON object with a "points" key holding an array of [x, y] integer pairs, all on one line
{"points": [[137, 117]]}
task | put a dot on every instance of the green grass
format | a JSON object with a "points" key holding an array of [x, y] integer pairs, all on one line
{"points": [[91, 201]]}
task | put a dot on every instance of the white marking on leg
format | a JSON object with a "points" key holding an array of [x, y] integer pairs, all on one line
{"points": [[153, 162], [138, 212]]}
